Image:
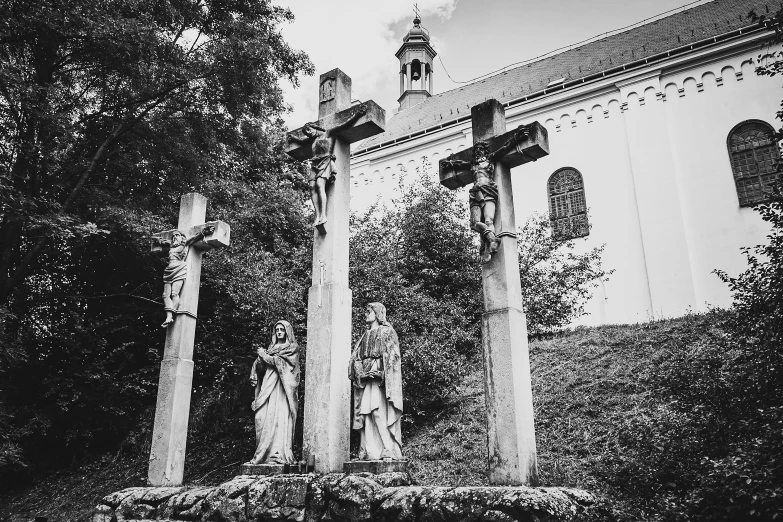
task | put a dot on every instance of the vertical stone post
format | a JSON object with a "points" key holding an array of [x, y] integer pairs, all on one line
{"points": [[170, 431], [510, 429], [327, 388]]}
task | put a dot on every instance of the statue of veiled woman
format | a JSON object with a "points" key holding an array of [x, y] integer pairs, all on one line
{"points": [[375, 371], [275, 375]]}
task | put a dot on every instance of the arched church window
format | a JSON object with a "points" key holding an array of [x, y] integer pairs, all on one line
{"points": [[753, 153], [567, 204]]}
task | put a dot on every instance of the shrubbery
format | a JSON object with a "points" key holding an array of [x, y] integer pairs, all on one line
{"points": [[420, 258]]}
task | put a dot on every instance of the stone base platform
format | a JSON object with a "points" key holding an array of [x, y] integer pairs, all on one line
{"points": [[376, 467], [272, 469], [340, 497]]}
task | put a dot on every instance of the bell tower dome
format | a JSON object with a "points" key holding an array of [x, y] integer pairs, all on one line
{"points": [[416, 71]]}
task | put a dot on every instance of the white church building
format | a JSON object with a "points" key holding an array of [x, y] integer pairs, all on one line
{"points": [[660, 137]]}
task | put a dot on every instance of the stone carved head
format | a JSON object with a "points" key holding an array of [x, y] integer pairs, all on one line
{"points": [[289, 332], [178, 238], [380, 313], [480, 152]]}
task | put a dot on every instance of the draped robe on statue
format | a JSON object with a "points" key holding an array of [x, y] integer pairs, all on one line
{"points": [[276, 400], [377, 403]]}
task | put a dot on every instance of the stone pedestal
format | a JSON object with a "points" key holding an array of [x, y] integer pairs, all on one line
{"points": [[327, 388], [274, 469], [376, 467]]}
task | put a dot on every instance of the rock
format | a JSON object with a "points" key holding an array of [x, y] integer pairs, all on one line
{"points": [[339, 497], [131, 507], [102, 513], [186, 505], [278, 498], [389, 480], [115, 498], [351, 498], [228, 502], [155, 496]]}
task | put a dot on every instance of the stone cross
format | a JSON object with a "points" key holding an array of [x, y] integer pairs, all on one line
{"points": [[511, 436], [327, 388], [169, 434]]}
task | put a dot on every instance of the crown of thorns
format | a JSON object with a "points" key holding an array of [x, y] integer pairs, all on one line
{"points": [[480, 149]]}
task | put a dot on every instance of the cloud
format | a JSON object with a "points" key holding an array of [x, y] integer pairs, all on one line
{"points": [[357, 37]]}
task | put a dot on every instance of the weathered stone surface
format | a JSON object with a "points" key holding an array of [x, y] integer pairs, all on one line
{"points": [[376, 466], [389, 480], [487, 503], [102, 513], [261, 469], [278, 498], [338, 497], [115, 498], [185, 505], [351, 498], [228, 501]]}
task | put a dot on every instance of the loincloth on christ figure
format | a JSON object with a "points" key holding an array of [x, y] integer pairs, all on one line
{"points": [[177, 269], [480, 194], [322, 167]]}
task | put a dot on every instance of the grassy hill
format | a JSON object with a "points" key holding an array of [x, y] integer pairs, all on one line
{"points": [[615, 415]]}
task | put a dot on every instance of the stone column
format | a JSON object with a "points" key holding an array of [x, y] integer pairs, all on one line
{"points": [[327, 389], [408, 72], [511, 432]]}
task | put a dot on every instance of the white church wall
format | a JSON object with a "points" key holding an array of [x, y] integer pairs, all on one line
{"points": [[597, 148], [710, 102], [651, 148]]}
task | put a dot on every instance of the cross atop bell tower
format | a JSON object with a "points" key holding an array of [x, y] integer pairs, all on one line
{"points": [[416, 57]]}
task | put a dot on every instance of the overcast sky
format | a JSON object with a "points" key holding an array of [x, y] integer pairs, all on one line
{"points": [[471, 37]]}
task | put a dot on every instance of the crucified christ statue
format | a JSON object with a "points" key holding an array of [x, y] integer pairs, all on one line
{"points": [[176, 250], [322, 167], [484, 193]]}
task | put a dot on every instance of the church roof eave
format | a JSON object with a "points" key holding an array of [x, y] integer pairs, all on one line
{"points": [[638, 47]]}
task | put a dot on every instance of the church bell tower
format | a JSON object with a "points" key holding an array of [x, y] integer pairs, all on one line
{"points": [[416, 71]]}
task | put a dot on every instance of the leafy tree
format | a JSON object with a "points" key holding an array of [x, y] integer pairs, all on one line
{"points": [[556, 281], [108, 113], [419, 257], [85, 90]]}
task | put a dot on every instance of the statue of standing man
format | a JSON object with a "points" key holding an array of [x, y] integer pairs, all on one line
{"points": [[322, 167], [374, 370]]}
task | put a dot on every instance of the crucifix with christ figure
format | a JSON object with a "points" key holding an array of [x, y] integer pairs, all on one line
{"points": [[184, 247], [511, 436], [327, 142]]}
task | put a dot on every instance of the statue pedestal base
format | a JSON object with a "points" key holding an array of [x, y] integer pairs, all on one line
{"points": [[376, 467], [271, 469]]}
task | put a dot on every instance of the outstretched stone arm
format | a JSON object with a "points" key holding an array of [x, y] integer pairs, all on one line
{"points": [[360, 111], [206, 231], [457, 164], [521, 134]]}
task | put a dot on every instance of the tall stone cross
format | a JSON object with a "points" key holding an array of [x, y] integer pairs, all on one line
{"points": [[170, 431], [511, 435], [327, 389]]}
